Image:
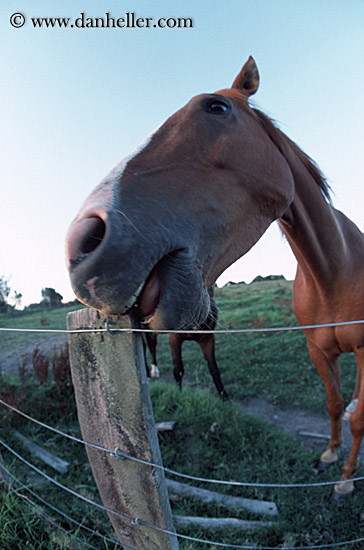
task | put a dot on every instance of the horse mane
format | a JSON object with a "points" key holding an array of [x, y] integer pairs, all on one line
{"points": [[281, 141]]}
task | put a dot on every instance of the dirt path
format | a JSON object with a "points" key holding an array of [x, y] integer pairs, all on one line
{"points": [[294, 421], [13, 355]]}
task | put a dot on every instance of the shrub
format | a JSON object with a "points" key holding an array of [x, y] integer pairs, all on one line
{"points": [[40, 364]]}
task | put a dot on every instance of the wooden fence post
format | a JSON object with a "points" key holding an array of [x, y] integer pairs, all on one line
{"points": [[114, 410]]}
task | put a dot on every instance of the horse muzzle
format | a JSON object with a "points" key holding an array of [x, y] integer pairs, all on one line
{"points": [[112, 270], [92, 260]]}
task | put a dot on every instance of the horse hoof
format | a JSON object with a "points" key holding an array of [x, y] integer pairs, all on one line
{"points": [[154, 373], [343, 490], [350, 409], [224, 396], [326, 459]]}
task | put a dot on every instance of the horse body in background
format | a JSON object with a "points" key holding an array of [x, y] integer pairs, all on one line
{"points": [[196, 196], [206, 342]]}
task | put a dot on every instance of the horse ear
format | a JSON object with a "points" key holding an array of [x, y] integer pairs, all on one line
{"points": [[247, 80]]}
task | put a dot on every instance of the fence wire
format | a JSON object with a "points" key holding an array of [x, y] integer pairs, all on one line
{"points": [[119, 454], [139, 522], [216, 331], [21, 486]]}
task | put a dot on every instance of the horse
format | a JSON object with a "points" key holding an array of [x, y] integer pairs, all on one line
{"points": [[205, 340], [197, 195]]}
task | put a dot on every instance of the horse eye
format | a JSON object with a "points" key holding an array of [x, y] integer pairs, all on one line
{"points": [[217, 106]]}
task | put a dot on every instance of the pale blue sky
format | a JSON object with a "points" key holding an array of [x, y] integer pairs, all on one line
{"points": [[75, 101]]}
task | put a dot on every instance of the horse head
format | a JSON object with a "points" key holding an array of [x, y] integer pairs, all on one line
{"points": [[172, 216]]}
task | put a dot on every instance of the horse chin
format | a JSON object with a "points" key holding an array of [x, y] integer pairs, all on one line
{"points": [[174, 296], [169, 315]]}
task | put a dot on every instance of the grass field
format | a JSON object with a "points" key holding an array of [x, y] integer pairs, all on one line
{"points": [[212, 438], [272, 365], [37, 319]]}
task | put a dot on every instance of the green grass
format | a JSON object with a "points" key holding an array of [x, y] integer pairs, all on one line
{"points": [[19, 522], [212, 439], [37, 319], [216, 440]]}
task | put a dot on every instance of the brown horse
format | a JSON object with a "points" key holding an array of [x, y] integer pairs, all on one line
{"points": [[205, 341], [197, 195]]}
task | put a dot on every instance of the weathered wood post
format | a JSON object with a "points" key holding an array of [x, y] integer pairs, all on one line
{"points": [[114, 410]]}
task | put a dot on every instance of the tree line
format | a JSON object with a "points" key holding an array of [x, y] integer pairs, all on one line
{"points": [[10, 299]]}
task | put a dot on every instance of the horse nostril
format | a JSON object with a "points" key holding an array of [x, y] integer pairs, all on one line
{"points": [[93, 237], [85, 237]]}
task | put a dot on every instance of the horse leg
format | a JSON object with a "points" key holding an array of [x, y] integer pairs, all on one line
{"points": [[145, 356], [357, 431], [329, 370], [207, 345], [354, 400], [152, 345], [175, 344]]}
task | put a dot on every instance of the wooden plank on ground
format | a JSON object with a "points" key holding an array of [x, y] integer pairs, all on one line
{"points": [[48, 458], [220, 523], [314, 435], [255, 506]]}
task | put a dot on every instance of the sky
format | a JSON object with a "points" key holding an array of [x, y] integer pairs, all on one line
{"points": [[75, 101]]}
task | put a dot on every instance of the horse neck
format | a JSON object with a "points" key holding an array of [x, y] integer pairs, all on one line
{"points": [[313, 230]]}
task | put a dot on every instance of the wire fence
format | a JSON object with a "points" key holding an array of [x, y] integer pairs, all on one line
{"points": [[122, 455], [20, 485], [194, 331], [139, 521], [119, 454]]}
